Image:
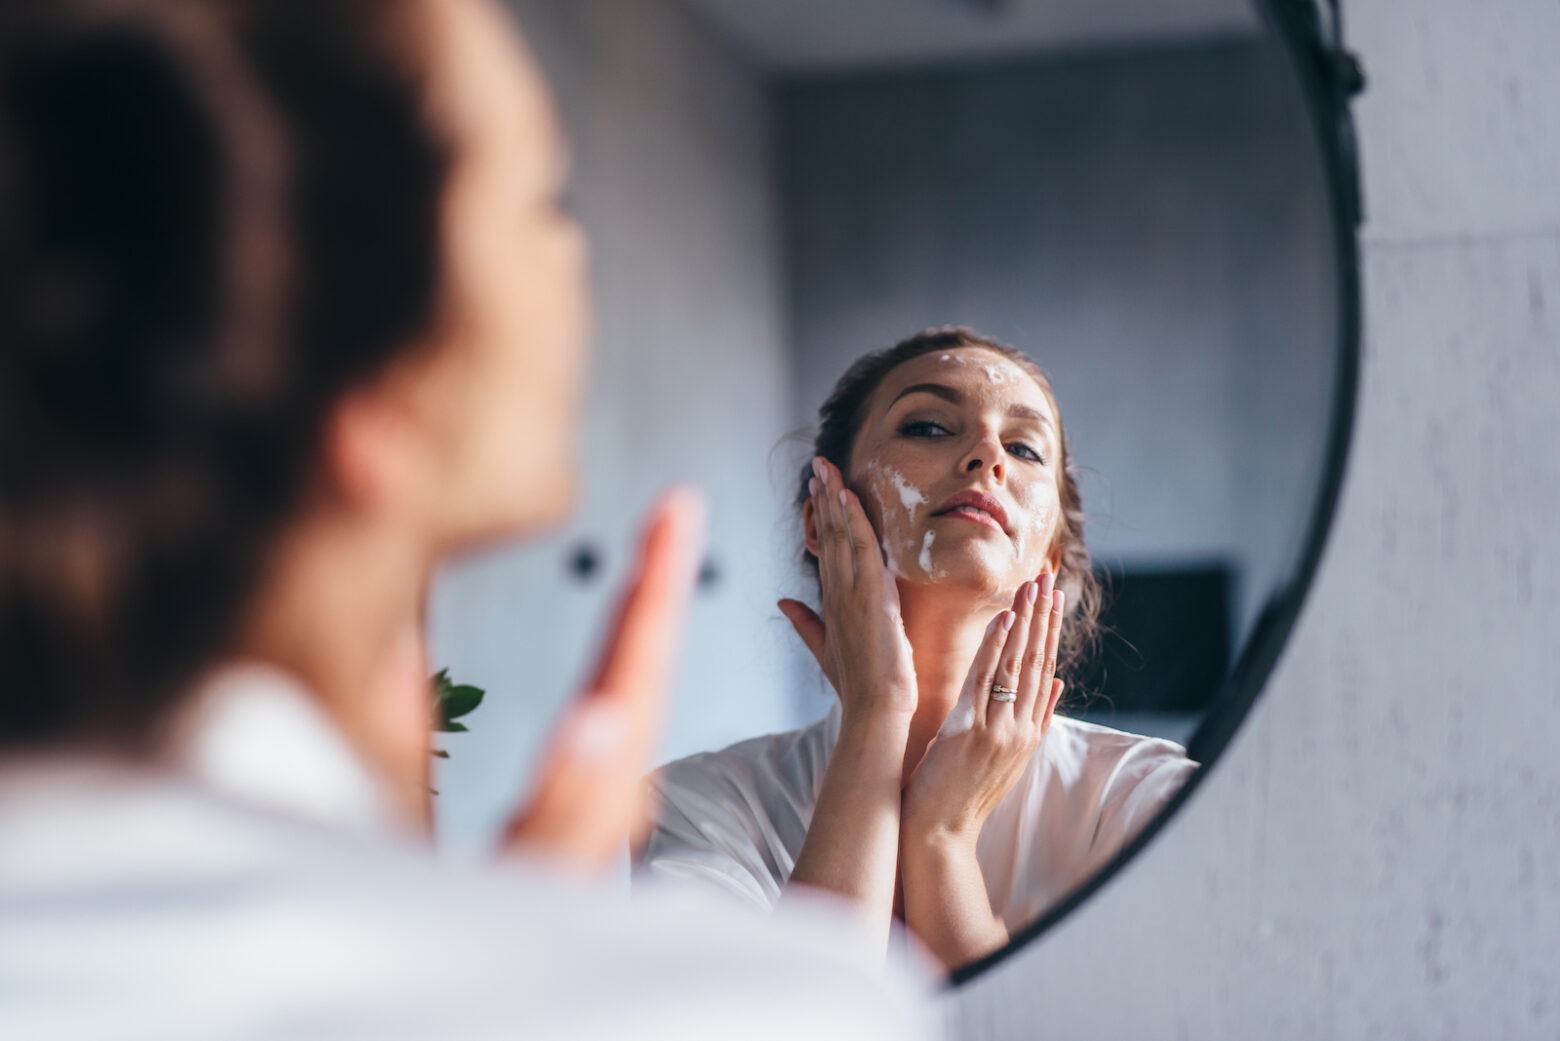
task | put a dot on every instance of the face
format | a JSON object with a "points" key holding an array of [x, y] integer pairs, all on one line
{"points": [[955, 464], [501, 393]]}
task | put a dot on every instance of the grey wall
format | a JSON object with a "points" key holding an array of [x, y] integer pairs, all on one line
{"points": [[1146, 223], [1376, 855], [674, 159]]}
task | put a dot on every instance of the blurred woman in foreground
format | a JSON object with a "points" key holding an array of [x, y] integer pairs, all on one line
{"points": [[288, 313]]}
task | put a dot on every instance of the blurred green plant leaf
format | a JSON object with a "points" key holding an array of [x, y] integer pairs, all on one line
{"points": [[461, 700], [453, 700]]}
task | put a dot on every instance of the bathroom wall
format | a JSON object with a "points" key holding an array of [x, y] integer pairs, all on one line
{"points": [[674, 153]]}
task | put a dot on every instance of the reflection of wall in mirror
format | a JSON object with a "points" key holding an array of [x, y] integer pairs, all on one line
{"points": [[1143, 223], [674, 184]]}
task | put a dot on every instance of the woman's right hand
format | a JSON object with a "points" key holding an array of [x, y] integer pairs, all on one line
{"points": [[860, 640], [852, 844]]}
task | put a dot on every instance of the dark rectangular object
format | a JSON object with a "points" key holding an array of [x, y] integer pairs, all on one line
{"points": [[1166, 646]]}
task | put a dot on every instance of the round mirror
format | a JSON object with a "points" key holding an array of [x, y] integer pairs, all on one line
{"points": [[1109, 247]]}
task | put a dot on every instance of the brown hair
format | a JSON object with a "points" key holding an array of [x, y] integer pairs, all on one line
{"points": [[841, 417], [216, 217]]}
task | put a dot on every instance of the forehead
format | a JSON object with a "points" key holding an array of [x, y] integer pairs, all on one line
{"points": [[980, 376]]}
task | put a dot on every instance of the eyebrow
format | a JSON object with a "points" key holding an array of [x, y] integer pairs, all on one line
{"points": [[950, 394], [940, 390]]}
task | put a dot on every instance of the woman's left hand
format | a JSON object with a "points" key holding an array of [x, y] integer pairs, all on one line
{"points": [[974, 761], [985, 744]]}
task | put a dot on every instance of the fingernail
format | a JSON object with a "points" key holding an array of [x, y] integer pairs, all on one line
{"points": [[1058, 601], [818, 467], [844, 499], [1031, 593], [1047, 583], [1008, 618]]}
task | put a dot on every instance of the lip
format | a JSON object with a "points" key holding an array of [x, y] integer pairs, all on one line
{"points": [[994, 515]]}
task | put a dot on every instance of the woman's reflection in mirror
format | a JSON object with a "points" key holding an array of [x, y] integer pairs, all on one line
{"points": [[943, 520]]}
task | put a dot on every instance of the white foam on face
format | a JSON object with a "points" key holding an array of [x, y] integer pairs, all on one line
{"points": [[909, 495], [926, 553], [890, 558], [1002, 373]]}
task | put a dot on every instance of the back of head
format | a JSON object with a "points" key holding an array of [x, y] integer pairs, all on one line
{"points": [[215, 217]]}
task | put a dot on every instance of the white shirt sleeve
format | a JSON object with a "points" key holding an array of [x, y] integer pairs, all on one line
{"points": [[699, 840], [1142, 782]]}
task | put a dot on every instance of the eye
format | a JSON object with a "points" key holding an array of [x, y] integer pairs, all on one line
{"points": [[1023, 451], [923, 428]]}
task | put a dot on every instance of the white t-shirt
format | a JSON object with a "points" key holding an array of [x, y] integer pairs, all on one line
{"points": [[735, 819], [257, 887]]}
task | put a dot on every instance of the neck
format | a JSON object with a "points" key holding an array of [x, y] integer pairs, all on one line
{"points": [[944, 625], [341, 612]]}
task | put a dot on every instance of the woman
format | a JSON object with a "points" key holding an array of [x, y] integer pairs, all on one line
{"points": [[289, 312], [947, 532]]}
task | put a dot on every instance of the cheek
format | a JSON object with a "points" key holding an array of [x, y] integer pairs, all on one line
{"points": [[518, 415], [1042, 516], [896, 506]]}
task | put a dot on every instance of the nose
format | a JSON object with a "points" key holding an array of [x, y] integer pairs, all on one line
{"points": [[986, 453]]}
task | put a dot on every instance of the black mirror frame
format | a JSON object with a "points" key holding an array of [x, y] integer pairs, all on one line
{"points": [[1329, 77]]}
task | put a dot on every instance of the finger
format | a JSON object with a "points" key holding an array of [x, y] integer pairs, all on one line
{"points": [[1053, 641], [834, 487], [809, 627], [831, 532], [867, 555], [1033, 685], [977, 685], [827, 560], [637, 662], [1011, 663], [583, 803], [1057, 686]]}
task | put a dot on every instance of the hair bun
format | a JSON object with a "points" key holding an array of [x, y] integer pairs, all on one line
{"points": [[216, 217], [111, 265]]}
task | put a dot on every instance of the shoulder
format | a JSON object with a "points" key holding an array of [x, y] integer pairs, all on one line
{"points": [[1112, 762], [734, 821], [791, 761], [1125, 778], [1085, 740]]}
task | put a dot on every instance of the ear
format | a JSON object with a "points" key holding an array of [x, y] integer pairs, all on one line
{"points": [[810, 527], [370, 450]]}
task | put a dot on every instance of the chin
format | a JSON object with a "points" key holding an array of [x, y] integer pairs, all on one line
{"points": [[973, 573], [550, 504], [529, 506]]}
